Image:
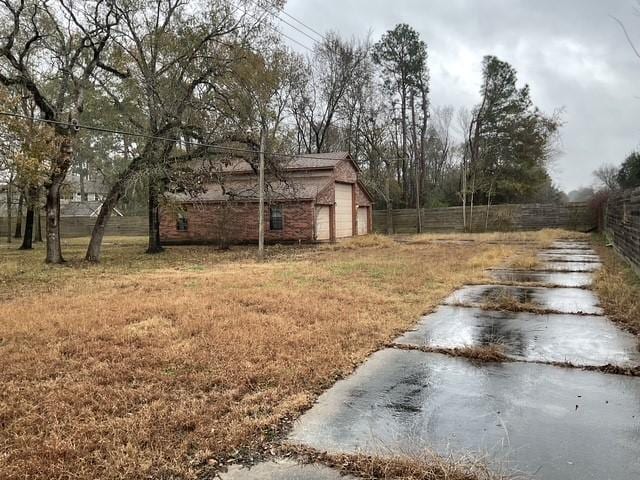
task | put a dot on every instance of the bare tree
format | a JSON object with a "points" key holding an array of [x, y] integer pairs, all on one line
{"points": [[335, 67], [177, 56], [52, 49], [608, 176]]}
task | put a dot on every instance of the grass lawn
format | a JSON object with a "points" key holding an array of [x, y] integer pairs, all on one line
{"points": [[618, 288], [170, 365]]}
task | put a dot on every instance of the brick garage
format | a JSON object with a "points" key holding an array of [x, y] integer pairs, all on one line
{"points": [[302, 208]]}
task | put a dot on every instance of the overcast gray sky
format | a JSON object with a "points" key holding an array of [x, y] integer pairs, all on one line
{"points": [[571, 53]]}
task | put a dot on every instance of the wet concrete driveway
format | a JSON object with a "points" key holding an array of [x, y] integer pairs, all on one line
{"points": [[564, 300], [555, 279], [581, 340], [556, 422], [545, 421]]}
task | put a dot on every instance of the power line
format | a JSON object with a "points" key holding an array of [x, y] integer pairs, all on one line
{"points": [[314, 40], [300, 22], [79, 126], [272, 27]]}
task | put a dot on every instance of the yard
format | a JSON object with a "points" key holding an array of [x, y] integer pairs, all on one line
{"points": [[171, 365]]}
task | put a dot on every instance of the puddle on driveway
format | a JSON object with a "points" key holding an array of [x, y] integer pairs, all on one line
{"points": [[561, 279], [569, 245], [282, 470], [568, 251], [570, 266], [564, 300], [581, 340], [554, 257], [561, 423]]}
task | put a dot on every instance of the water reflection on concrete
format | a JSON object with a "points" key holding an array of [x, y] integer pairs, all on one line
{"points": [[561, 423], [581, 340], [561, 279], [564, 300], [560, 257]]}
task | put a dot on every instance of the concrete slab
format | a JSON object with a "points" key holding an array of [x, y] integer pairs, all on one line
{"points": [[581, 340], [570, 266], [571, 245], [561, 279], [569, 251], [563, 300], [559, 423], [554, 257], [282, 470]]}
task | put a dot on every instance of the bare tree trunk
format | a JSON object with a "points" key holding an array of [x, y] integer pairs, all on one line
{"points": [[405, 186], [486, 219], [416, 164], [263, 137], [464, 195], [38, 220], [112, 198], [83, 193], [387, 194], [52, 205], [473, 191], [18, 232], [27, 239], [9, 212], [154, 216]]}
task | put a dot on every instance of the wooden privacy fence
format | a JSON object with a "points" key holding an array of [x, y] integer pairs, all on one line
{"points": [[622, 224], [82, 226], [573, 216]]}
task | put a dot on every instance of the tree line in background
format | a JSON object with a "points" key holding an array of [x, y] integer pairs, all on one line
{"points": [[211, 80]]}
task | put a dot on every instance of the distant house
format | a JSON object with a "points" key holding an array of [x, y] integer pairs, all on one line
{"points": [[319, 198]]}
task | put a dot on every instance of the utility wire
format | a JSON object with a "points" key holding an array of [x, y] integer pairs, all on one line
{"points": [[272, 27], [79, 126], [314, 40], [299, 21]]}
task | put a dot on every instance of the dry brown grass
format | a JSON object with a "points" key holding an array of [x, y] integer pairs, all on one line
{"points": [[525, 262], [540, 239], [493, 352], [505, 300], [153, 366], [618, 289], [428, 466], [365, 241]]}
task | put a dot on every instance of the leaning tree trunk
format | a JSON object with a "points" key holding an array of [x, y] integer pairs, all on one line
{"points": [[111, 200], [154, 217], [52, 205], [18, 232]]}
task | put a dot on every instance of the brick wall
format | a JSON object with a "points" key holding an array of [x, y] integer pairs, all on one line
{"points": [[346, 172], [622, 224], [208, 222], [576, 216]]}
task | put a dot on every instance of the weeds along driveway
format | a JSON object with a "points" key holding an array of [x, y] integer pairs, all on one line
{"points": [[171, 365]]}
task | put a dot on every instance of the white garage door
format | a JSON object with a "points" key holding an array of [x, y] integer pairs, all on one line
{"points": [[344, 210], [322, 223], [363, 220]]}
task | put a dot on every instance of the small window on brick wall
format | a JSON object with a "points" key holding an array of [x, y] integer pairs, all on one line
{"points": [[275, 218], [182, 224]]}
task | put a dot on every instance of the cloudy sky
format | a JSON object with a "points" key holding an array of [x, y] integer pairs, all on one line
{"points": [[571, 52]]}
